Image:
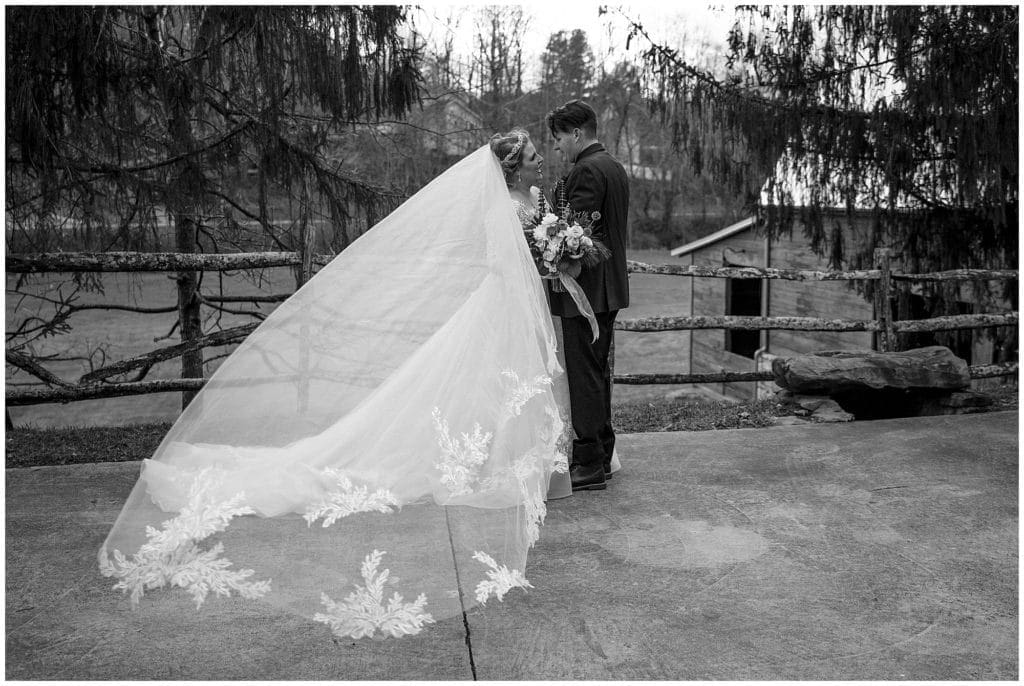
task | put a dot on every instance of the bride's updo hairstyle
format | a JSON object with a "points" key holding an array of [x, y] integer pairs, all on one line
{"points": [[509, 148]]}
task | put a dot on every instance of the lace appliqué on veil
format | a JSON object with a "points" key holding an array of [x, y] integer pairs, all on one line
{"points": [[520, 391], [500, 580], [363, 613], [559, 434], [533, 501], [172, 557], [348, 499], [460, 461], [552, 350]]}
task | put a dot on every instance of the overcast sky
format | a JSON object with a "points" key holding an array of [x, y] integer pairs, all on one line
{"points": [[687, 25]]}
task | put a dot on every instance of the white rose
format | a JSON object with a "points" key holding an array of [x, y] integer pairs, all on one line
{"points": [[549, 255], [548, 219], [587, 241], [573, 243], [540, 234], [576, 232]]}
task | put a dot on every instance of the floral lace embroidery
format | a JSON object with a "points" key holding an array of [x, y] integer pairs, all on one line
{"points": [[171, 555], [348, 499], [560, 434], [533, 502], [553, 366], [520, 391], [363, 613], [560, 464], [556, 424], [523, 212], [460, 462], [501, 579]]}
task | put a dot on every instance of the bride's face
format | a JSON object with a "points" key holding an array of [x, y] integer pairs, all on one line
{"points": [[532, 166]]}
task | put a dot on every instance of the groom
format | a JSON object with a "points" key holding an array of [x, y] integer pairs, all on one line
{"points": [[596, 182]]}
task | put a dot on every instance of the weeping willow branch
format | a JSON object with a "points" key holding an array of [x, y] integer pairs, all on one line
{"points": [[119, 168], [908, 112]]}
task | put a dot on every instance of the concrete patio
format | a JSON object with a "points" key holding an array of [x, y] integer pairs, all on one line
{"points": [[881, 550]]}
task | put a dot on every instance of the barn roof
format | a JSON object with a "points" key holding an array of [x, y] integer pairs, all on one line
{"points": [[714, 237]]}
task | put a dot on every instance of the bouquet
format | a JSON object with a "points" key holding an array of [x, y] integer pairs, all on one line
{"points": [[562, 244]]}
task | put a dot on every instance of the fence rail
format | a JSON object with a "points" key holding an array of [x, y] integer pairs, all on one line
{"points": [[36, 263], [813, 275], [976, 372], [750, 272], [94, 385], [952, 322]]}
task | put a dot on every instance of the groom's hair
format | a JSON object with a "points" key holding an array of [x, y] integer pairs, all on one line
{"points": [[574, 114]]}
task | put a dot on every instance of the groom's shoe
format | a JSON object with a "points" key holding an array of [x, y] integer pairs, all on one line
{"points": [[587, 478]]}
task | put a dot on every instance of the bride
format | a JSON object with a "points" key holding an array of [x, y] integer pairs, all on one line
{"points": [[375, 455], [522, 166]]}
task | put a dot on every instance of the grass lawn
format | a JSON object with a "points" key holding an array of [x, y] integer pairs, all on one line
{"points": [[33, 447]]}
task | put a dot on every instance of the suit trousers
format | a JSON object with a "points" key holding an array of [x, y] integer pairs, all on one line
{"points": [[590, 388]]}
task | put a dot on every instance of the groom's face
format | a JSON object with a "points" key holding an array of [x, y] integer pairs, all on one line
{"points": [[567, 143]]}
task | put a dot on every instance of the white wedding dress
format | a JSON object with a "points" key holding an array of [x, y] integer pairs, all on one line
{"points": [[375, 455]]}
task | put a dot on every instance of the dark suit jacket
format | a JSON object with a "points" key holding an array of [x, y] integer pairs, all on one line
{"points": [[598, 182]]}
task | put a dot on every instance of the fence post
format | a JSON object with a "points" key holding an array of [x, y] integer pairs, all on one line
{"points": [[303, 272], [190, 323], [883, 307]]}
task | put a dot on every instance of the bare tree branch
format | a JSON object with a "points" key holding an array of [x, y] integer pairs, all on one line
{"points": [[27, 364], [225, 337]]}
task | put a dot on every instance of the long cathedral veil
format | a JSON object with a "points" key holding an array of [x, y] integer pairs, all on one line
{"points": [[376, 454]]}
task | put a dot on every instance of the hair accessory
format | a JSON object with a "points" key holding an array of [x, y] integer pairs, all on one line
{"points": [[516, 147]]}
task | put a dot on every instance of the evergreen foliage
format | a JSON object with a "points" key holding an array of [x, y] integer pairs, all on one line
{"points": [[906, 112], [125, 121], [909, 111], [118, 116]]}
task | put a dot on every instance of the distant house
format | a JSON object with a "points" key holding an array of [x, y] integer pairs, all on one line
{"points": [[458, 125], [714, 350]]}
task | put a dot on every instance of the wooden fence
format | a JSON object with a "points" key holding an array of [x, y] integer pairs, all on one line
{"points": [[94, 384]]}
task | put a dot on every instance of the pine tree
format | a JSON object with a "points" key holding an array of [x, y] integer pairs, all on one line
{"points": [[121, 119]]}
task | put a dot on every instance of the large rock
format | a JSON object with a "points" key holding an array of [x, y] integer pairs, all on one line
{"points": [[959, 402], [816, 408], [934, 367]]}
